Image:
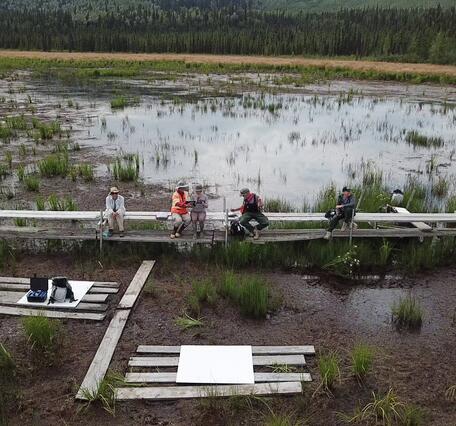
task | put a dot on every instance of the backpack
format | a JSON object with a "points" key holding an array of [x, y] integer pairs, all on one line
{"points": [[61, 290], [236, 229], [330, 214]]}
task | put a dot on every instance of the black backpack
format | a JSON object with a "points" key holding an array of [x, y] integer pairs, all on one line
{"points": [[236, 229], [60, 283], [330, 214]]}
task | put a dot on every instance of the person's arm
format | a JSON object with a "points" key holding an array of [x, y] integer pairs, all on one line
{"points": [[237, 210], [109, 209], [351, 203], [177, 201], [121, 205], [205, 202], [260, 203]]}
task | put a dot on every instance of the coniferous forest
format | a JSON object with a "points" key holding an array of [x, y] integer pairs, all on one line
{"points": [[232, 27]]}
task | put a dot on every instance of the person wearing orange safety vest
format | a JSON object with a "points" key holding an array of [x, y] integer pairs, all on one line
{"points": [[179, 209]]}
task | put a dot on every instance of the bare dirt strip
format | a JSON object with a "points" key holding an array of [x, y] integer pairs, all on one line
{"points": [[391, 67]]}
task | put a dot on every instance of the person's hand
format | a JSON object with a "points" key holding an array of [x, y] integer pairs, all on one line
{"points": [[232, 210], [339, 206]]}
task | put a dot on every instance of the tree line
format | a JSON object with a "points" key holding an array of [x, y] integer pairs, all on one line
{"points": [[236, 27]]}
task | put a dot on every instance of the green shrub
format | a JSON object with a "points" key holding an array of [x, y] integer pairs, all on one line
{"points": [[407, 313], [362, 358], [44, 334], [328, 365], [119, 102]]}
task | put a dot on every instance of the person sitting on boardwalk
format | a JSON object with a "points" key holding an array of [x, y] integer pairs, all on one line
{"points": [[345, 209], [115, 211], [251, 209], [199, 205], [179, 209]]}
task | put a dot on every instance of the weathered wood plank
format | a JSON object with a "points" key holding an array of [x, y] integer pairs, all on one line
{"points": [[256, 350], [105, 290], [16, 295], [134, 289], [103, 356], [95, 298], [259, 377], [420, 225], [23, 311], [181, 392], [257, 361]]}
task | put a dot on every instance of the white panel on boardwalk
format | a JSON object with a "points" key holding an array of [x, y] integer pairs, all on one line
{"points": [[80, 288], [215, 365]]}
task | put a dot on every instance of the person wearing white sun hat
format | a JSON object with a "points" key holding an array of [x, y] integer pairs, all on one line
{"points": [[115, 211]]}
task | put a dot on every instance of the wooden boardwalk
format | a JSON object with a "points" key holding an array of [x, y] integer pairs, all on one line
{"points": [[151, 384], [212, 237]]}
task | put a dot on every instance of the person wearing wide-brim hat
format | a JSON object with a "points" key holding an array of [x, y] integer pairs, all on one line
{"points": [[251, 209], [115, 211], [345, 210], [179, 209]]}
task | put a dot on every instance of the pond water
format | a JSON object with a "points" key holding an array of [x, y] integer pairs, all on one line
{"points": [[285, 145]]}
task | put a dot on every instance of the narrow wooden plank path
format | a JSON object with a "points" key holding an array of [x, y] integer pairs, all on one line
{"points": [[170, 377], [18, 311], [103, 356], [182, 392], [257, 361], [256, 350]]}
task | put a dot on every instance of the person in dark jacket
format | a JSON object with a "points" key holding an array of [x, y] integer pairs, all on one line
{"points": [[345, 210], [251, 209]]}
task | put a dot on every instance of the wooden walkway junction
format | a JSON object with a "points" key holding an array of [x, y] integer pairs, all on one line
{"points": [[86, 225]]}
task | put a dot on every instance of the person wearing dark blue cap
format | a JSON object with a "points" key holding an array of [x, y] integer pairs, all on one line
{"points": [[345, 210]]}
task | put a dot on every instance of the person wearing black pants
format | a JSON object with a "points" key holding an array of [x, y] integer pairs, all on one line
{"points": [[345, 210]]}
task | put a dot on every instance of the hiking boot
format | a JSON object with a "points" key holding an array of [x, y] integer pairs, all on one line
{"points": [[327, 235], [172, 236], [256, 234], [177, 235], [110, 232], [121, 234], [344, 226], [195, 235], [355, 225]]}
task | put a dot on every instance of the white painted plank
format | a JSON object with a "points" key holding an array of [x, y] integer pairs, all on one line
{"points": [[12, 310], [259, 377], [257, 361], [134, 289], [256, 350], [103, 356], [181, 392]]}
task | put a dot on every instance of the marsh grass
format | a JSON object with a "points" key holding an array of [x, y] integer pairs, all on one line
{"points": [[31, 183], [414, 138], [86, 172], [9, 159], [407, 313], [362, 357], [119, 102], [54, 165], [203, 291], [61, 204], [44, 335], [8, 385], [251, 293], [329, 368], [6, 253], [278, 205], [40, 203], [387, 410], [186, 322], [150, 288], [441, 187], [450, 393], [126, 169], [105, 392]]}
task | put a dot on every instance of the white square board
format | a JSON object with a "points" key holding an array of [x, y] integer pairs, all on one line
{"points": [[215, 365], [80, 288]]}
